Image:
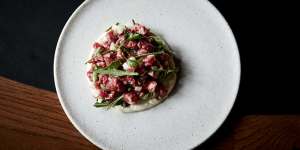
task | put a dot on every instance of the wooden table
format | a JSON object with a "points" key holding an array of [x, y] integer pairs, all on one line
{"points": [[32, 118]]}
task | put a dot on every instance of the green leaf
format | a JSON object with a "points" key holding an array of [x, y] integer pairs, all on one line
{"points": [[116, 72], [112, 104], [107, 51], [155, 68], [114, 65], [120, 45], [98, 52], [95, 77], [161, 45], [134, 36], [108, 104], [157, 39], [126, 35], [163, 73], [124, 49], [132, 62], [129, 89], [153, 53], [103, 104]]}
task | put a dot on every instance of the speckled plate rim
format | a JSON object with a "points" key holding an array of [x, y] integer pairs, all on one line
{"points": [[58, 88]]}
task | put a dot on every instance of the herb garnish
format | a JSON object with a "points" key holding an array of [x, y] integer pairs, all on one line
{"points": [[153, 53], [112, 104], [108, 104], [102, 104], [115, 72], [134, 36], [132, 62]]}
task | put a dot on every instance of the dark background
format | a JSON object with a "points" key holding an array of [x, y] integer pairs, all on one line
{"points": [[265, 32]]}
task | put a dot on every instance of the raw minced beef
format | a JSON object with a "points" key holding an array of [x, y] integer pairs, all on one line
{"points": [[129, 65]]}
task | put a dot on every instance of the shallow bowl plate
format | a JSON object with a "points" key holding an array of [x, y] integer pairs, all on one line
{"points": [[205, 92]]}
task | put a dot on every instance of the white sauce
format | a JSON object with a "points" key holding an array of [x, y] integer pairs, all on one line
{"points": [[139, 107]]}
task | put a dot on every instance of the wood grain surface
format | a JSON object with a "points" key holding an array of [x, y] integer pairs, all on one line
{"points": [[32, 118]]}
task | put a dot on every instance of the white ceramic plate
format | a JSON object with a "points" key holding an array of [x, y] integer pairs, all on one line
{"points": [[202, 99]]}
